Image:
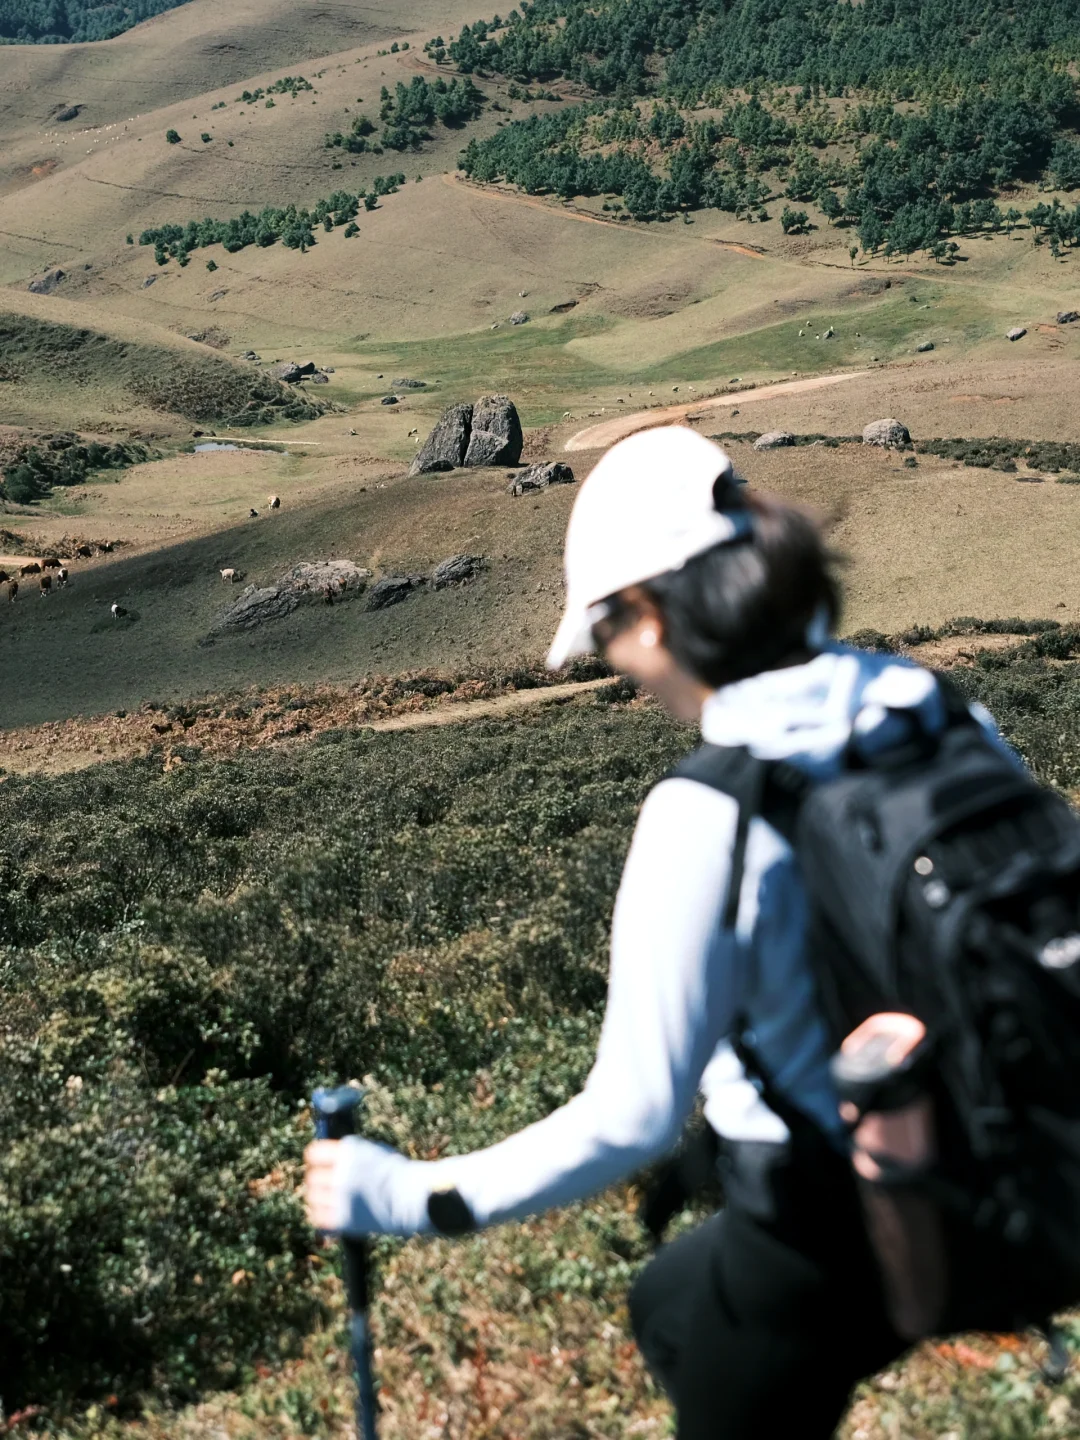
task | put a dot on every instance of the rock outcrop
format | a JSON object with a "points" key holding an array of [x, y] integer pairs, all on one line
{"points": [[408, 384], [391, 590], [445, 447], [308, 582], [487, 433], [456, 570], [890, 432], [496, 437], [774, 439], [539, 477], [47, 283]]}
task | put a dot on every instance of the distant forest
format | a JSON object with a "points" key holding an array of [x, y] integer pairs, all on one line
{"points": [[55, 22], [903, 119]]}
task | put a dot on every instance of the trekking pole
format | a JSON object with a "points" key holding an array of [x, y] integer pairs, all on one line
{"points": [[335, 1117]]}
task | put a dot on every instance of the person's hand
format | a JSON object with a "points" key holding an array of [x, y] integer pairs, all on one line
{"points": [[362, 1188], [322, 1195]]}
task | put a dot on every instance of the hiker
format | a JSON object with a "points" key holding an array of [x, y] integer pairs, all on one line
{"points": [[720, 603]]}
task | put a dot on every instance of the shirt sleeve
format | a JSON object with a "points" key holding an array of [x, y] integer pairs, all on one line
{"points": [[672, 995]]}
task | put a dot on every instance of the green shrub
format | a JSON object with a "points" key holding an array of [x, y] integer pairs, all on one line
{"points": [[173, 137]]}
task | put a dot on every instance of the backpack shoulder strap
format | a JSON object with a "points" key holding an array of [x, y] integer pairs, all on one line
{"points": [[733, 771], [772, 789]]}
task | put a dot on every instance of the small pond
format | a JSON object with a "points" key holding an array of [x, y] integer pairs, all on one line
{"points": [[214, 445]]}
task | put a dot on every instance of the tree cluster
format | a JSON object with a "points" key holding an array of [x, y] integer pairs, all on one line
{"points": [[294, 225], [56, 22], [408, 114]]}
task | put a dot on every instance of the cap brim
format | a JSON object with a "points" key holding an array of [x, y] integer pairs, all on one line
{"points": [[573, 637]]}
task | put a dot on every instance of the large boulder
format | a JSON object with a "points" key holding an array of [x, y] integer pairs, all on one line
{"points": [[288, 371], [925, 347], [456, 570], [1016, 333], [539, 477], [496, 437], [445, 447], [1067, 317], [886, 432], [774, 439]]}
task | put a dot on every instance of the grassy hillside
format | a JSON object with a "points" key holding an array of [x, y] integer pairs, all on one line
{"points": [[187, 952], [59, 356]]}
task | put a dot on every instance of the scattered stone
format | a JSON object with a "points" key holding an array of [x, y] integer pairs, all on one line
{"points": [[287, 370], [1016, 333], [496, 437], [519, 318], [250, 355], [889, 433], [774, 439], [389, 400], [408, 384], [328, 370], [47, 283], [150, 280], [1067, 317], [924, 347], [219, 295], [391, 590], [539, 477], [320, 378], [308, 582], [456, 570], [445, 447]]}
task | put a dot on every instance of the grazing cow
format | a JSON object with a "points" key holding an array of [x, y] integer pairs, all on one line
{"points": [[83, 552], [62, 575], [13, 590], [51, 562], [4, 576], [118, 611], [253, 514], [274, 502], [229, 575], [32, 569], [46, 586]]}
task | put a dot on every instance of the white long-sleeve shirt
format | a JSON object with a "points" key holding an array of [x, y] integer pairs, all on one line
{"points": [[678, 978]]}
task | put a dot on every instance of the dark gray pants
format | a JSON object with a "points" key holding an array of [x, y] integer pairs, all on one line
{"points": [[759, 1322]]}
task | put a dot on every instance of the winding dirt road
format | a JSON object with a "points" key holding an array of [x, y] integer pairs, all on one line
{"points": [[599, 437]]}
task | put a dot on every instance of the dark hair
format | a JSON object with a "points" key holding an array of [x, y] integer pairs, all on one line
{"points": [[745, 606]]}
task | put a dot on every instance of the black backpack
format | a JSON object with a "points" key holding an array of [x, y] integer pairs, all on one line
{"points": [[943, 881]]}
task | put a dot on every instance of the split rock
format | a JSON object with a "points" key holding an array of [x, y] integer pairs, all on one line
{"points": [[496, 437], [445, 447]]}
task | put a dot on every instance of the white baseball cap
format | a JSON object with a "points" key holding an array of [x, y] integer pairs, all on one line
{"points": [[648, 507]]}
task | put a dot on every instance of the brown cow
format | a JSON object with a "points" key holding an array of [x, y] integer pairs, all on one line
{"points": [[46, 586], [33, 568], [13, 590], [274, 501]]}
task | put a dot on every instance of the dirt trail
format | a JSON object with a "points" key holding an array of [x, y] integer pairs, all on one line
{"points": [[58, 747], [599, 437], [480, 709], [571, 212]]}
